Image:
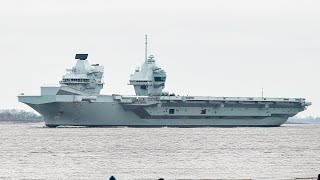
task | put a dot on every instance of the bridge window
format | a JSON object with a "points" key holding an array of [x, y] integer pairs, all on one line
{"points": [[171, 111], [159, 79], [143, 87]]}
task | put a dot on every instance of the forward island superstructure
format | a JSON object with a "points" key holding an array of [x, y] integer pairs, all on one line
{"points": [[77, 102]]}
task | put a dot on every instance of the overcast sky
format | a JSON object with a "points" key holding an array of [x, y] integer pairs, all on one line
{"points": [[216, 48]]}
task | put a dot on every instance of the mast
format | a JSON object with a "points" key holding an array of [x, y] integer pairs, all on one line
{"points": [[146, 48]]}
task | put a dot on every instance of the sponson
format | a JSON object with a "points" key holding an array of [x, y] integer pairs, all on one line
{"points": [[77, 101]]}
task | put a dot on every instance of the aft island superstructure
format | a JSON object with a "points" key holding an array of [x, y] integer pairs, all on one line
{"points": [[77, 102]]}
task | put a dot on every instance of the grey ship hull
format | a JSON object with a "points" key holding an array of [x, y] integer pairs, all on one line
{"points": [[155, 112], [77, 102]]}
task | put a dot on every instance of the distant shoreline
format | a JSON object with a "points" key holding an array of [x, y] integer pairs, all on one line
{"points": [[19, 116], [290, 122], [20, 121]]}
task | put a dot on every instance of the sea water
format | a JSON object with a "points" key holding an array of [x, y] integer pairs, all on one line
{"points": [[32, 151]]}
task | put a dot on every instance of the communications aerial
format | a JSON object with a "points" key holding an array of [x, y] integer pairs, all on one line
{"points": [[77, 101]]}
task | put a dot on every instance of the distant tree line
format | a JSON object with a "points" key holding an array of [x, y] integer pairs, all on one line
{"points": [[305, 120], [18, 115]]}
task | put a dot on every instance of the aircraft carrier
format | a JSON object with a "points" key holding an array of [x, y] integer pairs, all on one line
{"points": [[77, 101]]}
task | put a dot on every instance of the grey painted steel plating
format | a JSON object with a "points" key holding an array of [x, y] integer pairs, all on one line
{"points": [[77, 101], [150, 79]]}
